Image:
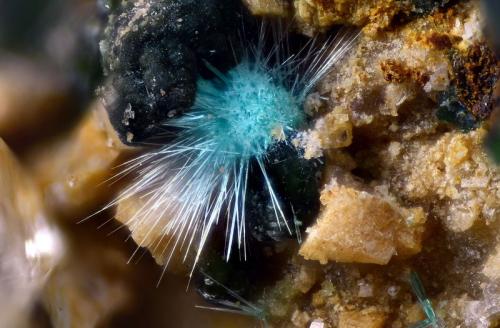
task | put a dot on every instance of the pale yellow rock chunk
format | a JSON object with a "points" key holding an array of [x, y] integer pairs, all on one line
{"points": [[151, 231], [146, 231], [453, 170], [334, 131], [492, 267], [356, 226]]}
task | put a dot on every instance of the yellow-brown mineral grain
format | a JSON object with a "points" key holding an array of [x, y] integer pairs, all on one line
{"points": [[278, 8], [151, 232], [357, 226], [321, 14], [333, 131], [413, 313], [451, 172], [367, 318], [492, 266]]}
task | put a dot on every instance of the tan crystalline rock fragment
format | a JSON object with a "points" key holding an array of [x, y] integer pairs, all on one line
{"points": [[492, 267], [151, 231], [368, 318], [453, 171], [268, 7], [73, 173], [333, 131], [390, 84], [321, 14], [356, 226]]}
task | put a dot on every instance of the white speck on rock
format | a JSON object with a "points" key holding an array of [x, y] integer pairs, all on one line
{"points": [[365, 289], [393, 291], [317, 324], [130, 137], [128, 114], [439, 80]]}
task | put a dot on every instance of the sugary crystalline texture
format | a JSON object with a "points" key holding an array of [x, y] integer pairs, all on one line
{"points": [[492, 266], [357, 226]]}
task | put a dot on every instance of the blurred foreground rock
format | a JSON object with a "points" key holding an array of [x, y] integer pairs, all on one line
{"points": [[30, 247], [75, 173], [34, 101], [92, 285]]}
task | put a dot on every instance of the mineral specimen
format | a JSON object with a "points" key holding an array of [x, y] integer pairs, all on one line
{"points": [[398, 130], [381, 133]]}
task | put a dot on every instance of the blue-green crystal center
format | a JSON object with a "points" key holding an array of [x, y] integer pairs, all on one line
{"points": [[246, 110]]}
